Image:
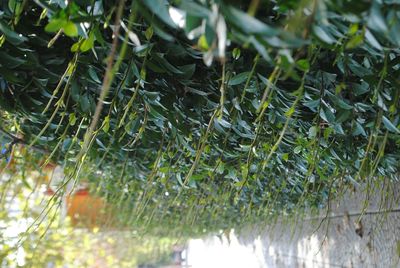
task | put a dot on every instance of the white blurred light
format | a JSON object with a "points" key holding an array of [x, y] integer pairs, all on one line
{"points": [[177, 16]]}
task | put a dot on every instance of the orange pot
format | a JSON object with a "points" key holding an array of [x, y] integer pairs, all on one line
{"points": [[87, 210]]}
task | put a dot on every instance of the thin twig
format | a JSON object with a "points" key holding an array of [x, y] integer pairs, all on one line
{"points": [[16, 140]]}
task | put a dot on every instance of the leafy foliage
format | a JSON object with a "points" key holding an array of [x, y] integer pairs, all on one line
{"points": [[214, 114]]}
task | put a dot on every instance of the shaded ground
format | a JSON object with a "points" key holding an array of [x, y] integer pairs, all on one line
{"points": [[340, 238]]}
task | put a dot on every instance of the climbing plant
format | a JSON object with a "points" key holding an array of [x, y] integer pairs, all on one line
{"points": [[205, 114]]}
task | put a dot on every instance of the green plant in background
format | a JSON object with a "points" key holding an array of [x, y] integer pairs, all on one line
{"points": [[191, 116], [27, 239]]}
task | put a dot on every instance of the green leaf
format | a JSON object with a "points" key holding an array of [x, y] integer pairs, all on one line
{"points": [[98, 36], [290, 112], [240, 184], [202, 43], [339, 102], [312, 132], [389, 125], [223, 122], [93, 75], [231, 174], [106, 124], [179, 179], [55, 25], [101, 144], [376, 20], [338, 129], [327, 132], [70, 29], [163, 34], [88, 43], [66, 144], [261, 48], [149, 33], [194, 9], [72, 119], [353, 29], [343, 116], [355, 41], [159, 8], [247, 23], [14, 6], [322, 34], [11, 76], [85, 103], [394, 33], [359, 130], [75, 93], [372, 40], [303, 64], [75, 46], [236, 53], [11, 36], [245, 171], [238, 79], [297, 149], [327, 115], [312, 104], [191, 23], [360, 89], [221, 168], [159, 57], [9, 61]]}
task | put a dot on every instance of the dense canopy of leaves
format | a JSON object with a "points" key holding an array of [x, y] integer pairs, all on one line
{"points": [[211, 109]]}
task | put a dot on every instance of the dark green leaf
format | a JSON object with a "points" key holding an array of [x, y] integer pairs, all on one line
{"points": [[376, 20], [323, 35], [11, 36], [238, 79], [389, 125], [248, 24], [160, 9]]}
